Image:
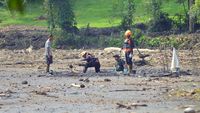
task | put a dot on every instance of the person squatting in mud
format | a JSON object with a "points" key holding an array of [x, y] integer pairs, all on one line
{"points": [[91, 61], [128, 49], [48, 53], [120, 63]]}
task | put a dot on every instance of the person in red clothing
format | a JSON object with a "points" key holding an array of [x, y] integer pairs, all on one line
{"points": [[128, 49]]}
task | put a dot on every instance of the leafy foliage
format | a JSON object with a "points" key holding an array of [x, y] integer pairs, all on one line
{"points": [[127, 19], [195, 10], [160, 21], [126, 10], [15, 5], [61, 15]]}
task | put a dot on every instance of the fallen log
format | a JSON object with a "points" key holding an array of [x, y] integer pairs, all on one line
{"points": [[120, 90], [123, 106], [130, 106], [138, 104]]}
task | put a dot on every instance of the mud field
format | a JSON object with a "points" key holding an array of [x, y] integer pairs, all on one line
{"points": [[25, 88]]}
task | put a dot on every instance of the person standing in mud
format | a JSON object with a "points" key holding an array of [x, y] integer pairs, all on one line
{"points": [[91, 61], [128, 49], [48, 53]]}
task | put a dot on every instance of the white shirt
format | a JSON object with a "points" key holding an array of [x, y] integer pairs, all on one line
{"points": [[48, 45]]}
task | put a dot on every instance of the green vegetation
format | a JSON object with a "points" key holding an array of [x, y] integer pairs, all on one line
{"points": [[163, 16], [33, 11], [60, 15], [98, 13]]}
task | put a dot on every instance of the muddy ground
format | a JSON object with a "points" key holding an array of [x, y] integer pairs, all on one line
{"points": [[25, 88]]}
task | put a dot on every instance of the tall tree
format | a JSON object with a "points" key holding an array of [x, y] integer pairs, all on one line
{"points": [[125, 10], [195, 8], [128, 15], [155, 8], [61, 15], [160, 20], [191, 16], [183, 3]]}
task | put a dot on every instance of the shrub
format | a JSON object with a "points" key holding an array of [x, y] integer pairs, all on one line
{"points": [[161, 23], [115, 42]]}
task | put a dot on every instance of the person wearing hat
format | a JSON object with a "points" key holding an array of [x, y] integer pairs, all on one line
{"points": [[128, 49], [120, 63], [91, 61], [48, 52]]}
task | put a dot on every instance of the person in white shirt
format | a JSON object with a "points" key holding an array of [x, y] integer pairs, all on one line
{"points": [[48, 53]]}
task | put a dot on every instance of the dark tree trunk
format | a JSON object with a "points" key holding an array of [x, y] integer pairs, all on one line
{"points": [[191, 18]]}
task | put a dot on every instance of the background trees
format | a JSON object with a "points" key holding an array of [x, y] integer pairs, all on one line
{"points": [[160, 20], [60, 14], [125, 10]]}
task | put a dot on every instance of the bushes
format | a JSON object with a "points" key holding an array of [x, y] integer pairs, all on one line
{"points": [[81, 40], [162, 23], [115, 42], [70, 41], [75, 41], [157, 42]]}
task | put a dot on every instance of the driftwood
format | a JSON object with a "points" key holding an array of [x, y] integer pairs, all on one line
{"points": [[130, 106], [123, 106], [138, 104], [78, 85], [120, 90], [4, 95]]}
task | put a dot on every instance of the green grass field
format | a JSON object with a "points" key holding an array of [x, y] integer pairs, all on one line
{"points": [[96, 13]]}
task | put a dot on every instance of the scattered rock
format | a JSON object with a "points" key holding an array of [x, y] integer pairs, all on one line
{"points": [[107, 80], [189, 110], [9, 91], [25, 82], [40, 93], [40, 67], [6, 93], [19, 62], [51, 72], [41, 75], [71, 66], [85, 80]]}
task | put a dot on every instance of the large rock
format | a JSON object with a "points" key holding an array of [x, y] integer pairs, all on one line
{"points": [[189, 110]]}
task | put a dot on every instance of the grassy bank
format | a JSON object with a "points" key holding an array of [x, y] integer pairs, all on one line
{"points": [[96, 13]]}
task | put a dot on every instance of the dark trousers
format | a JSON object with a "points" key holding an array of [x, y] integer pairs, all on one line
{"points": [[96, 65], [128, 59], [49, 60]]}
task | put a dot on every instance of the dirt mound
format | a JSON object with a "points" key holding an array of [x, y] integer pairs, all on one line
{"points": [[20, 37], [191, 41]]}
